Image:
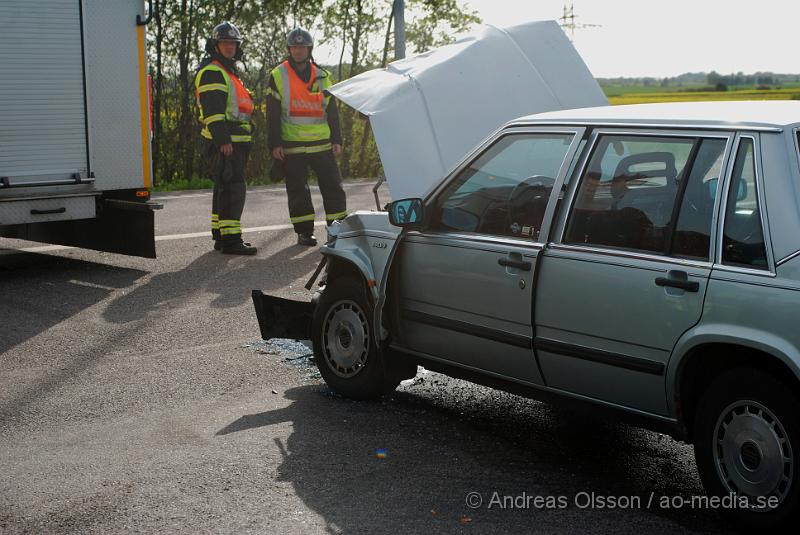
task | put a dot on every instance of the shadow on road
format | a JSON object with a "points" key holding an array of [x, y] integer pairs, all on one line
{"points": [[39, 291], [228, 278], [407, 463]]}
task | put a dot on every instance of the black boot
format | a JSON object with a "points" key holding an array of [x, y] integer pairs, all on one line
{"points": [[216, 237], [240, 248], [306, 239], [218, 244]]}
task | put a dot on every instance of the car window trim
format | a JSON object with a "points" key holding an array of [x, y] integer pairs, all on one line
{"points": [[718, 263], [787, 258], [564, 172], [622, 253], [796, 137], [796, 144], [743, 270], [476, 237], [587, 156], [655, 126]]}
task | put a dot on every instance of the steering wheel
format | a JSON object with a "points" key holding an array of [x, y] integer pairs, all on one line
{"points": [[530, 192]]}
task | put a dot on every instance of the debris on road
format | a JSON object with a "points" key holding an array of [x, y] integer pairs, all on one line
{"points": [[292, 352]]}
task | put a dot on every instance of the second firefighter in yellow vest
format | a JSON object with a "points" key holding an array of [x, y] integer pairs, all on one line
{"points": [[304, 132]]}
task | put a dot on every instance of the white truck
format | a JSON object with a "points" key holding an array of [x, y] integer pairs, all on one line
{"points": [[75, 124]]}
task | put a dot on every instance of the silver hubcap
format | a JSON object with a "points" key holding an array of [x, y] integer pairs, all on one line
{"points": [[345, 339], [752, 451]]}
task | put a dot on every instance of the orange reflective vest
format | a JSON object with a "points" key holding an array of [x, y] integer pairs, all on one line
{"points": [[304, 100], [239, 108], [303, 104]]}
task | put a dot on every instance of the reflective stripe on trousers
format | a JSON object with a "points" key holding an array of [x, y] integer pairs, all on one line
{"points": [[308, 149], [300, 219], [337, 215], [228, 227]]}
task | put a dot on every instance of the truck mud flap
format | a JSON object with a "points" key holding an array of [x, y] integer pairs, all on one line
{"points": [[283, 318]]}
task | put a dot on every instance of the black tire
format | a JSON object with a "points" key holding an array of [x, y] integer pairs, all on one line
{"points": [[344, 345], [746, 442]]}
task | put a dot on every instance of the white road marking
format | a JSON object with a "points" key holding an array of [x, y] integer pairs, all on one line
{"points": [[168, 237], [269, 189], [92, 285], [244, 231]]}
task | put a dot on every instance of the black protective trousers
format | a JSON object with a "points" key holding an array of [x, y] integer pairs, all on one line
{"points": [[329, 179], [230, 190]]}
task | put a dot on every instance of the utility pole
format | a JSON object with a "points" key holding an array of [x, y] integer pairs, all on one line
{"points": [[398, 10], [398, 14], [567, 21]]}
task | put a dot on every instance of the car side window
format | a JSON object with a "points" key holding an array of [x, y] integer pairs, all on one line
{"points": [[743, 238], [627, 195], [506, 189]]}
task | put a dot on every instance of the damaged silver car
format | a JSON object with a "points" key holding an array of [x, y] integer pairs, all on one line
{"points": [[643, 261]]}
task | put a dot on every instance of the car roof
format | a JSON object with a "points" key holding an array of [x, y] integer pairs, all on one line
{"points": [[762, 114]]}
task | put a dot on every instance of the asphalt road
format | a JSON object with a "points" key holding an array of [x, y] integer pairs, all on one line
{"points": [[135, 397]]}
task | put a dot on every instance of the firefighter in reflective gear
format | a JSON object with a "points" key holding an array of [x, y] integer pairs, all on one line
{"points": [[304, 132], [226, 108]]}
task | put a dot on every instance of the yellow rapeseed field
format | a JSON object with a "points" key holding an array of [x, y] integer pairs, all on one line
{"points": [[694, 96]]}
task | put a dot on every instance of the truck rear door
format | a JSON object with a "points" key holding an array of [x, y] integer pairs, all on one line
{"points": [[42, 104]]}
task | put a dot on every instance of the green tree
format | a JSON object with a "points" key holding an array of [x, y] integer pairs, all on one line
{"points": [[435, 22], [357, 28]]}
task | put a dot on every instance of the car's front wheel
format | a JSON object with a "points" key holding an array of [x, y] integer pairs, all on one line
{"points": [[344, 345], [747, 441]]}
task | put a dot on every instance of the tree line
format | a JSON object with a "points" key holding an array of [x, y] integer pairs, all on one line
{"points": [[711, 79], [359, 30]]}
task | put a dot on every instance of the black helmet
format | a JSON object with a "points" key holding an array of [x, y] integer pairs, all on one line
{"points": [[299, 37], [226, 32]]}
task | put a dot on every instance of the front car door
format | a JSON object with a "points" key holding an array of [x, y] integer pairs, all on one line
{"points": [[627, 272], [466, 280]]}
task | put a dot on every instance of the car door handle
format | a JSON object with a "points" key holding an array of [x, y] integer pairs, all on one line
{"points": [[519, 264], [689, 286]]}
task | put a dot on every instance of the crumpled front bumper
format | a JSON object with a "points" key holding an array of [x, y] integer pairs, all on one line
{"points": [[286, 318], [283, 318]]}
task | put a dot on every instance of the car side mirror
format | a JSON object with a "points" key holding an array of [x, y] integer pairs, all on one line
{"points": [[711, 186], [406, 213], [741, 193]]}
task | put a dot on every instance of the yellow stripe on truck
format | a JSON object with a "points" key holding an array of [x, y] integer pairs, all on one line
{"points": [[144, 110]]}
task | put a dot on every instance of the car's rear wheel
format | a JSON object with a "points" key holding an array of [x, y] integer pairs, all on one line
{"points": [[344, 345], [747, 441]]}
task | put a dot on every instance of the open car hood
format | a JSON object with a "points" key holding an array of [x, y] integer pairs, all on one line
{"points": [[429, 111]]}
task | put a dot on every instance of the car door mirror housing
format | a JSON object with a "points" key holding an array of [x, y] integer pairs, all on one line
{"points": [[406, 213], [741, 191]]}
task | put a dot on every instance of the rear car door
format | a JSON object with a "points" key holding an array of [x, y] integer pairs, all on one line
{"points": [[466, 280], [627, 272]]}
